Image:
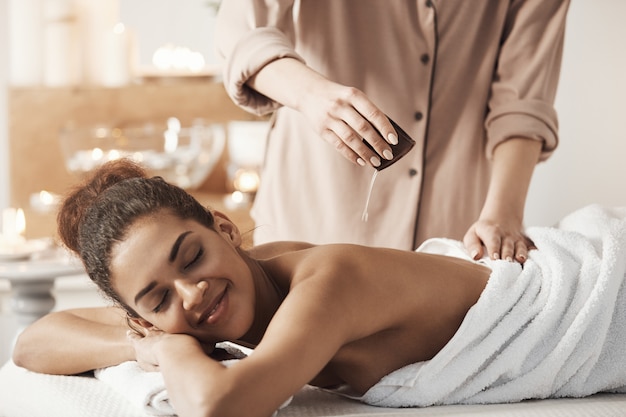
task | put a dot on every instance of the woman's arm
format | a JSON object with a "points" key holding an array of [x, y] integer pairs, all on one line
{"points": [[342, 296], [289, 356], [74, 341]]}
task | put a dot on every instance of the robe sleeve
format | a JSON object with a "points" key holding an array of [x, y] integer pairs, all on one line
{"points": [[526, 76], [249, 35]]}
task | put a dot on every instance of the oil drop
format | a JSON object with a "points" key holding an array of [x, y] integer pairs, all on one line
{"points": [[365, 214]]}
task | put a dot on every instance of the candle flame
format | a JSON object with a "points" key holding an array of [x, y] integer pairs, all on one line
{"points": [[20, 222]]}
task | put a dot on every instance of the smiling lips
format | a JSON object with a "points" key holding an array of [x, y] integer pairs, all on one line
{"points": [[215, 309]]}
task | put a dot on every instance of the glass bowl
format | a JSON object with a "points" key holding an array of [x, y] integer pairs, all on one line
{"points": [[184, 156]]}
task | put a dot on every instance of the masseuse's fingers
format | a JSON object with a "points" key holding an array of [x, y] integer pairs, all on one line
{"points": [[473, 243], [372, 125], [498, 242], [507, 248], [351, 129], [521, 252], [522, 247], [345, 117]]}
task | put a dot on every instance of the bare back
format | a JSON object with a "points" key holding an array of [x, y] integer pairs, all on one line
{"points": [[391, 308]]}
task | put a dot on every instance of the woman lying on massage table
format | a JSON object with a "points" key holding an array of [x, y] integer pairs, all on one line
{"points": [[326, 315]]}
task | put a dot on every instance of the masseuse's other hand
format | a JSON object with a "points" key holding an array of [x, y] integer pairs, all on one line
{"points": [[501, 239], [344, 117]]}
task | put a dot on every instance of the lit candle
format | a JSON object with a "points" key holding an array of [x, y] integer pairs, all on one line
{"points": [[61, 53], [116, 57], [13, 227], [237, 200], [25, 41], [44, 201], [96, 18], [246, 180]]}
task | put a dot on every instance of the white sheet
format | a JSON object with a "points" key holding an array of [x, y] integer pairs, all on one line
{"points": [[28, 394]]}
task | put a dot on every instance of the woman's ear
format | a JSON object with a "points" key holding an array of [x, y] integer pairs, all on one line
{"points": [[227, 228], [135, 322]]}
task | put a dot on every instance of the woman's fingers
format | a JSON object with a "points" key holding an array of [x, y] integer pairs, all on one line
{"points": [[473, 244], [351, 122], [498, 244]]}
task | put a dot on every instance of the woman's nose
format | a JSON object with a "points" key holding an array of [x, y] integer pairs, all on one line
{"points": [[192, 293]]}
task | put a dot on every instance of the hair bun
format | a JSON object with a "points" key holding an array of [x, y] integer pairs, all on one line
{"points": [[82, 196]]}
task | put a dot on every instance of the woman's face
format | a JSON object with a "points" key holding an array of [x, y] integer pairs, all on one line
{"points": [[182, 277]]}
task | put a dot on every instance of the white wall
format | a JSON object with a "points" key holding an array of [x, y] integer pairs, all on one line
{"points": [[589, 166]]}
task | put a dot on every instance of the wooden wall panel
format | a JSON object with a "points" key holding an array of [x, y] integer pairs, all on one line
{"points": [[37, 115]]}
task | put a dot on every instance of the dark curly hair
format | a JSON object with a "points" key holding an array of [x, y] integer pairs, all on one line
{"points": [[97, 213]]}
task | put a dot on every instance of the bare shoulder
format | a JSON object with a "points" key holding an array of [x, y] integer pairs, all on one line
{"points": [[341, 260], [356, 262], [273, 249]]}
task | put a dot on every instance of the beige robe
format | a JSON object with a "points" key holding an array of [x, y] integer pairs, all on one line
{"points": [[459, 76]]}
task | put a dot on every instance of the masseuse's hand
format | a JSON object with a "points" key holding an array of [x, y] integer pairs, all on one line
{"points": [[499, 229], [502, 239], [343, 116]]}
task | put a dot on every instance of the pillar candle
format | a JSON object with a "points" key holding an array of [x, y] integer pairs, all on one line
{"points": [[62, 64], [25, 42], [116, 57], [96, 18]]}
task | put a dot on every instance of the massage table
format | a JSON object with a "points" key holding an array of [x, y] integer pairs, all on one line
{"points": [[552, 329], [29, 394]]}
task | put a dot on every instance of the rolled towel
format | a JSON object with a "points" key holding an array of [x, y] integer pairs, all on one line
{"points": [[146, 390]]}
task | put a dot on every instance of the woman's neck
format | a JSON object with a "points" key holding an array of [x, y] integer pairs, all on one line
{"points": [[268, 297]]}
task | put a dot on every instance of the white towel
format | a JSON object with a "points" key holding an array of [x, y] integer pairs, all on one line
{"points": [[146, 390], [554, 328]]}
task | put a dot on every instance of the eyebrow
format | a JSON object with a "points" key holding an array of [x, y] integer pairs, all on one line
{"points": [[176, 245], [145, 291], [171, 258]]}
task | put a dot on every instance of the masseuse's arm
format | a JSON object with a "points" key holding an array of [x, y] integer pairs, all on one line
{"points": [[500, 225], [341, 115], [74, 341]]}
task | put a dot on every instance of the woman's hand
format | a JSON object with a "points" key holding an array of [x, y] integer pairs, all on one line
{"points": [[145, 347], [148, 343], [343, 116], [503, 239]]}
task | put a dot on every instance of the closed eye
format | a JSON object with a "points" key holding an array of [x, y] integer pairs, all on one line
{"points": [[162, 303], [195, 259]]}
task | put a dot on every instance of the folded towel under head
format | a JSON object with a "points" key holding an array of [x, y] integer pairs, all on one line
{"points": [[146, 390]]}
